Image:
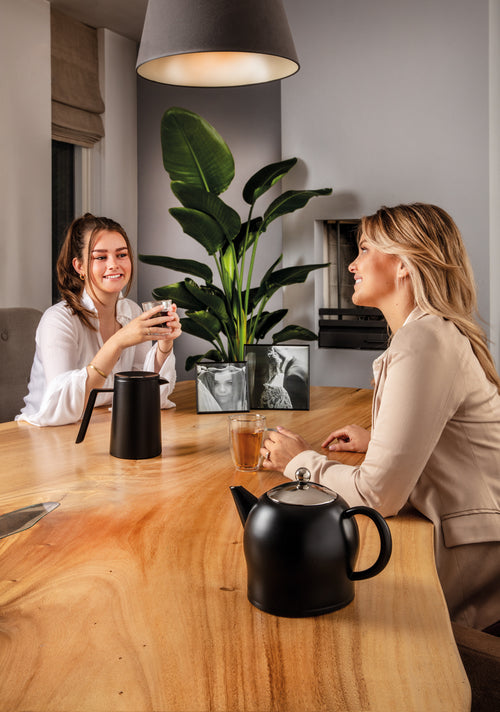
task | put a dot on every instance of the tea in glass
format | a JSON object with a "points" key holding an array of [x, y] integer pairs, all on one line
{"points": [[246, 434]]}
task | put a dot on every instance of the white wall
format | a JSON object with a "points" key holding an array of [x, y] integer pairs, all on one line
{"points": [[390, 105], [25, 148], [25, 154], [116, 153], [249, 121]]}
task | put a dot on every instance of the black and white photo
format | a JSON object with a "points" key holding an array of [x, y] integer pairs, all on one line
{"points": [[278, 376], [222, 387]]}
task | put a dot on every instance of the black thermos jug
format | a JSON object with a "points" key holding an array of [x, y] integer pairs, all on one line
{"points": [[136, 415]]}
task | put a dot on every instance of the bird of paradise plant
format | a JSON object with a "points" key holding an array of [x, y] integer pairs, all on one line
{"points": [[201, 167]]}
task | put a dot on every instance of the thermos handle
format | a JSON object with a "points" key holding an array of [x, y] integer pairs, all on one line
{"points": [[88, 411], [385, 542]]}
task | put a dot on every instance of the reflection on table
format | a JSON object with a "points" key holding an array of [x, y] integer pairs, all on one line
{"points": [[131, 595]]}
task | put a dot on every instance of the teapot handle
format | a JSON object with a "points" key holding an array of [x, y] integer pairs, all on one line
{"points": [[385, 542], [88, 411]]}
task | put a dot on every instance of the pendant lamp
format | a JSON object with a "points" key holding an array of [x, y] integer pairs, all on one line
{"points": [[216, 43]]}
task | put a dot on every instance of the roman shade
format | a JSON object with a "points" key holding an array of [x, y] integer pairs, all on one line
{"points": [[76, 98]]}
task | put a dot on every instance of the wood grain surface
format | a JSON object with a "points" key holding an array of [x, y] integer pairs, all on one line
{"points": [[131, 595]]}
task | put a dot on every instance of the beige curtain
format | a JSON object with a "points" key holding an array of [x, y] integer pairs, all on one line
{"points": [[76, 99]]}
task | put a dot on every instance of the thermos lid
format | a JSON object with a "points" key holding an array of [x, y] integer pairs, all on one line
{"points": [[135, 375], [302, 492]]}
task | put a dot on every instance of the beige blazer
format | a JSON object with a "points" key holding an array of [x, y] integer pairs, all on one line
{"points": [[435, 443]]}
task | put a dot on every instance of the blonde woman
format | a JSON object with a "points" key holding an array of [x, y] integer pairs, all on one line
{"points": [[435, 438], [95, 331]]}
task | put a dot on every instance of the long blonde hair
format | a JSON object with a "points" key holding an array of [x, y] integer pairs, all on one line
{"points": [[429, 243]]}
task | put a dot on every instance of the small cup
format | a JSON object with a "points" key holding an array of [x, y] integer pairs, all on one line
{"points": [[246, 433], [166, 305]]}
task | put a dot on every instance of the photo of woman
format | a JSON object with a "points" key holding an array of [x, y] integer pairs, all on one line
{"points": [[221, 387], [278, 377]]}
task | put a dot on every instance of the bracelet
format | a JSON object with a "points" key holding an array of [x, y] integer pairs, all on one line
{"points": [[101, 373], [160, 350]]}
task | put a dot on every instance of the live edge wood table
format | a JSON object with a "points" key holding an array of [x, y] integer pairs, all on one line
{"points": [[131, 595]]}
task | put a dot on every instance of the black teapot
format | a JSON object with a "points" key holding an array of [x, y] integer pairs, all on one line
{"points": [[301, 543], [136, 415]]}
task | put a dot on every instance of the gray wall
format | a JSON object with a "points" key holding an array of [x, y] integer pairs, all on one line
{"points": [[390, 105]]}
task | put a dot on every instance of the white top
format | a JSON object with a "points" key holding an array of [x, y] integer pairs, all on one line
{"points": [[64, 348]]}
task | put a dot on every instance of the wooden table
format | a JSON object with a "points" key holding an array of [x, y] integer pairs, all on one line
{"points": [[131, 595]]}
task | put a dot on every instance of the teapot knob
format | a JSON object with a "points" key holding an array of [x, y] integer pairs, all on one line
{"points": [[303, 476]]}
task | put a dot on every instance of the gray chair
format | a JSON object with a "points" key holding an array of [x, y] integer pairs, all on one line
{"points": [[17, 348], [480, 655]]}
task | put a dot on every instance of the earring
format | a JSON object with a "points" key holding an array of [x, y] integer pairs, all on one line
{"points": [[82, 276]]}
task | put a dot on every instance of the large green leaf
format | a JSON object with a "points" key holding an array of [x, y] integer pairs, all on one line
{"points": [[229, 264], [193, 151], [292, 331], [197, 269], [201, 200], [289, 201], [202, 227], [258, 293], [210, 297], [268, 321], [284, 277], [203, 324], [210, 355], [239, 240], [264, 179], [179, 294]]}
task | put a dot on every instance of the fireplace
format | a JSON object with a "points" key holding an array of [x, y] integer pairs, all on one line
{"points": [[341, 324]]}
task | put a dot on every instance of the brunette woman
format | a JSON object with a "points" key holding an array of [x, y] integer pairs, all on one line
{"points": [[95, 331]]}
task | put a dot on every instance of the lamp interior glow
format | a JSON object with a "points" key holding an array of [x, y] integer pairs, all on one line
{"points": [[222, 69]]}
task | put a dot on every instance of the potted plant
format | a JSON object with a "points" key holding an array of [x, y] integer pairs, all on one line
{"points": [[201, 167]]}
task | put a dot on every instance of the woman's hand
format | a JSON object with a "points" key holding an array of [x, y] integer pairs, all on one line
{"points": [[280, 447], [148, 327], [166, 335], [350, 438]]}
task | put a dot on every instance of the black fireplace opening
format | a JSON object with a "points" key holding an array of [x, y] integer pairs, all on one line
{"points": [[342, 325]]}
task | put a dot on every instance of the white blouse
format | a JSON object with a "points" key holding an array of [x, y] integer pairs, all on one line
{"points": [[64, 348]]}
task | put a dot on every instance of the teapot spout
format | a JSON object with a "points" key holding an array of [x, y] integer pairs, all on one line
{"points": [[244, 501]]}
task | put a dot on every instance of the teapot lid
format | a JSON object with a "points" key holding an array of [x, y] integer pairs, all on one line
{"points": [[302, 491]]}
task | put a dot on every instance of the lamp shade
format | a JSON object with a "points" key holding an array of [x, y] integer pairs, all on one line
{"points": [[216, 43]]}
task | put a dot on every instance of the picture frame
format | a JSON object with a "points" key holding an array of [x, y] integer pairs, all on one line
{"points": [[222, 387], [278, 376]]}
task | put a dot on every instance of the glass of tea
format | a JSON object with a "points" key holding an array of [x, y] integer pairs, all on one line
{"points": [[166, 305], [246, 434]]}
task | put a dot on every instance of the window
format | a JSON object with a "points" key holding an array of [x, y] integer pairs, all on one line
{"points": [[63, 200]]}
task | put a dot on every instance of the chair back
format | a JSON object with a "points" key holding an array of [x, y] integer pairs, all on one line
{"points": [[17, 347], [480, 655]]}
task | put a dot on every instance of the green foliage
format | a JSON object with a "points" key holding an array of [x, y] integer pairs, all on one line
{"points": [[201, 167]]}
